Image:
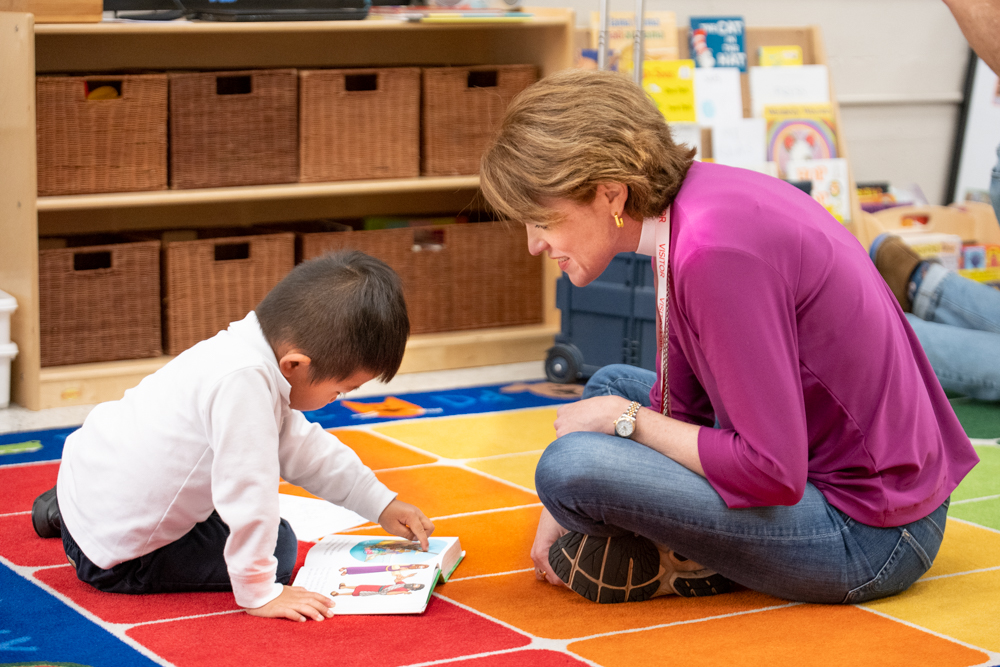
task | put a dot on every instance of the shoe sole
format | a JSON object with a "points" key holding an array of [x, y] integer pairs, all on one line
{"points": [[607, 570], [700, 583], [40, 515]]}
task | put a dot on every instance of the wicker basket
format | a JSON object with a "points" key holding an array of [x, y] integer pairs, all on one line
{"points": [[461, 108], [467, 276], [116, 145], [209, 283], [358, 124], [99, 303], [429, 310], [498, 282], [233, 128]]}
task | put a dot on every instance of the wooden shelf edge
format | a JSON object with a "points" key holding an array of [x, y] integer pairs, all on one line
{"points": [[538, 19], [255, 193], [86, 384]]}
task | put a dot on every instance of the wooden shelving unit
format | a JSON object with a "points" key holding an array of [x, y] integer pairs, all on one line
{"points": [[27, 50]]}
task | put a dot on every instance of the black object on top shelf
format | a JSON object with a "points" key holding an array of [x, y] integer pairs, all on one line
{"points": [[243, 10]]}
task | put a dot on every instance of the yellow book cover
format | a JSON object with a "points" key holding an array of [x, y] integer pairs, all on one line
{"points": [[797, 132], [780, 56], [671, 85], [659, 37]]}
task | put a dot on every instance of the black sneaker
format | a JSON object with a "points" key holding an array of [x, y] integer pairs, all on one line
{"points": [[689, 579], [607, 569], [45, 515]]}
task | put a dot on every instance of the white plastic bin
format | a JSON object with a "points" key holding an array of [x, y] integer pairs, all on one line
{"points": [[8, 305], [8, 350]]}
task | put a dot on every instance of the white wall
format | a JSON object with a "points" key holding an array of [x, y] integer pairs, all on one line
{"points": [[898, 67]]}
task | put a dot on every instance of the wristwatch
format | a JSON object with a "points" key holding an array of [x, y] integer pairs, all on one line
{"points": [[625, 425]]}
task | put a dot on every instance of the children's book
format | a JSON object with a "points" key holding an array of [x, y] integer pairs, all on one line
{"points": [[740, 144], [829, 184], [774, 86], [797, 132], [366, 574], [717, 41], [659, 37], [718, 95], [671, 85], [779, 56]]}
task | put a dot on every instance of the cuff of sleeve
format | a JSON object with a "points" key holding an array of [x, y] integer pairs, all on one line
{"points": [[369, 498], [711, 443], [250, 595]]}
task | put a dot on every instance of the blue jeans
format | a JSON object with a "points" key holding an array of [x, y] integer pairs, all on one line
{"points": [[604, 485], [193, 563], [957, 321]]}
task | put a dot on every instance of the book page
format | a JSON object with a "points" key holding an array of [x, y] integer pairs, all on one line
{"points": [[376, 575]]}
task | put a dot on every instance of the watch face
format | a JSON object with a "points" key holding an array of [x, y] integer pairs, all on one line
{"points": [[624, 427]]}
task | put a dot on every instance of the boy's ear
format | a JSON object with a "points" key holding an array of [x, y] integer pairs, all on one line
{"points": [[294, 364]]}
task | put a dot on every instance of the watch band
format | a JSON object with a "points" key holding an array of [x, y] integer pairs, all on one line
{"points": [[628, 415]]}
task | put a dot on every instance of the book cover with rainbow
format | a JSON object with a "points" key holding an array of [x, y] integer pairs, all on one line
{"points": [[798, 132]]}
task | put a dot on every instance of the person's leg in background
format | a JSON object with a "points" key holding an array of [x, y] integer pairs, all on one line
{"points": [[957, 320]]}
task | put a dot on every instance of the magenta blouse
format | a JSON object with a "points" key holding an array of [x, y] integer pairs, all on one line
{"points": [[782, 329]]}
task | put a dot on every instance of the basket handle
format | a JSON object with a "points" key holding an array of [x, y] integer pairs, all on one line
{"points": [[234, 85], [354, 83], [429, 238], [92, 261], [90, 85], [482, 79], [227, 252]]}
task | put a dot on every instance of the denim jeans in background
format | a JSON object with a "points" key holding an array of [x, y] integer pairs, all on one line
{"points": [[195, 562], [604, 485], [957, 321]]}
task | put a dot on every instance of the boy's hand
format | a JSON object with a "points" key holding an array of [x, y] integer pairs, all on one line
{"points": [[296, 604], [405, 520]]}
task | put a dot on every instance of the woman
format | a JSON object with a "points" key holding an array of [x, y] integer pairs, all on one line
{"points": [[805, 449]]}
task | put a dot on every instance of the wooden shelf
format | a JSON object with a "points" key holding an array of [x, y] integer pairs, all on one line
{"points": [[537, 18], [85, 384], [255, 193], [27, 50]]}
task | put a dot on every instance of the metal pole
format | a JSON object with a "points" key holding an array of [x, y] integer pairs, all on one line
{"points": [[637, 46], [602, 37]]}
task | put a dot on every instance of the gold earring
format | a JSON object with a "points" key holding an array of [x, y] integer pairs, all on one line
{"points": [[619, 221]]}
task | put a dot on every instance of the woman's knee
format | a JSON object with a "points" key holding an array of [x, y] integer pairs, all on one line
{"points": [[569, 462], [619, 380]]}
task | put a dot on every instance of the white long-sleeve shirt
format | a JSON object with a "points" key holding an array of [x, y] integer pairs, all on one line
{"points": [[211, 430]]}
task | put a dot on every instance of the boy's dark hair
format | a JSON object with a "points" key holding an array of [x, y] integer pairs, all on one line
{"points": [[344, 310]]}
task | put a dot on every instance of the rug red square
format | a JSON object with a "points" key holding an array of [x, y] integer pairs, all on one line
{"points": [[119, 608], [22, 546], [444, 631], [20, 485]]}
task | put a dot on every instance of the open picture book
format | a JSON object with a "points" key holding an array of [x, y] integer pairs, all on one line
{"points": [[366, 574]]}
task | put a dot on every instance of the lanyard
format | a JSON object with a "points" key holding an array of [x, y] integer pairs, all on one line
{"points": [[662, 258]]}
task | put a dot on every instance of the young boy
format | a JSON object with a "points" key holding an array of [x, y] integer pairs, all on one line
{"points": [[175, 486]]}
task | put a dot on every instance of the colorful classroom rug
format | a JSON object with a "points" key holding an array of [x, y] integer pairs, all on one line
{"points": [[467, 458]]}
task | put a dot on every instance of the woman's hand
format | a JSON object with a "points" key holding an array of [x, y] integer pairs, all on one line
{"points": [[596, 415], [548, 532]]}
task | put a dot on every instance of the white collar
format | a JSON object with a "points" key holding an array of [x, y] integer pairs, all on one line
{"points": [[248, 330], [647, 240]]}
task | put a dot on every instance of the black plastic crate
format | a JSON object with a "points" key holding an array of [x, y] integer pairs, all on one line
{"points": [[610, 321]]}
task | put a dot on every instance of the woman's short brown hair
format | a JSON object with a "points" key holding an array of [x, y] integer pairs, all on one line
{"points": [[571, 131]]}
